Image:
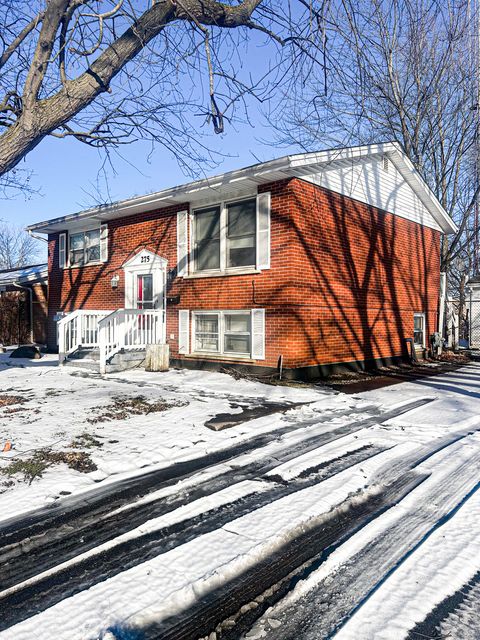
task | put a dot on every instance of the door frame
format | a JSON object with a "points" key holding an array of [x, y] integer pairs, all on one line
{"points": [[147, 262]]}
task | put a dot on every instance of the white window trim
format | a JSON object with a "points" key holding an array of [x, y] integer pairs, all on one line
{"points": [[423, 316], [221, 334], [93, 263], [223, 270]]}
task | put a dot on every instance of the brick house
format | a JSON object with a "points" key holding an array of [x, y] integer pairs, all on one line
{"points": [[321, 260]]}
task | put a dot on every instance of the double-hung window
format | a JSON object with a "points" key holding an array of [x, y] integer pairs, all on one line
{"points": [[241, 233], [223, 332], [207, 239], [225, 236], [207, 337], [419, 329], [85, 247]]}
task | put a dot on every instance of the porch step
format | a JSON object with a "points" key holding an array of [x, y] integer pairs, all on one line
{"points": [[89, 359], [85, 353]]}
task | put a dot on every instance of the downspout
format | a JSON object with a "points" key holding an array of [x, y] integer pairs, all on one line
{"points": [[34, 235], [30, 296]]}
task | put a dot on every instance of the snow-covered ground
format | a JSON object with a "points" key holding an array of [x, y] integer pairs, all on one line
{"points": [[60, 402], [320, 460]]}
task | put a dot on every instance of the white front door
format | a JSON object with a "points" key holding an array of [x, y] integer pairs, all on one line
{"points": [[145, 287]]}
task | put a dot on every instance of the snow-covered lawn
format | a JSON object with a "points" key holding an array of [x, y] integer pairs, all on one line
{"points": [[378, 584]]}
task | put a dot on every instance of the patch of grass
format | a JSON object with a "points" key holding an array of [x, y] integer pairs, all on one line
{"points": [[42, 459], [85, 441], [31, 468], [123, 408]]}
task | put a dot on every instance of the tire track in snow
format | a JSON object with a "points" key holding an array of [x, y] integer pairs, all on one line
{"points": [[115, 494], [52, 546], [321, 610], [20, 603], [458, 616], [81, 574], [218, 609]]}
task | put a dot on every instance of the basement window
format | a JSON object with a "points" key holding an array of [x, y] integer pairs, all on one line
{"points": [[223, 333], [419, 329], [85, 247]]}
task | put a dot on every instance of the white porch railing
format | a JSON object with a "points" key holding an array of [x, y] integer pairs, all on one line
{"points": [[78, 329], [110, 331], [129, 329]]}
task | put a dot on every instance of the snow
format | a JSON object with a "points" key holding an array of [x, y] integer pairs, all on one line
{"points": [[60, 402], [446, 561], [440, 556], [192, 569]]}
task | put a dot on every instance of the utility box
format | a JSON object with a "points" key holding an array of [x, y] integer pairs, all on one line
{"points": [[157, 357]]}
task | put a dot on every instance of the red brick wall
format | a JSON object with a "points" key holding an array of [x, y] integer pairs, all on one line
{"points": [[361, 274], [344, 283]]}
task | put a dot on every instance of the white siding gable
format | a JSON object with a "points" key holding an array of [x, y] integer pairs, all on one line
{"points": [[365, 179]]}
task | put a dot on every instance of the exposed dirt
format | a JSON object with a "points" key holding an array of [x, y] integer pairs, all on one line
{"points": [[122, 408], [7, 400], [357, 382]]}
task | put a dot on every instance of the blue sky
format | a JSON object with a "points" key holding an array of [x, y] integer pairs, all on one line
{"points": [[65, 171]]}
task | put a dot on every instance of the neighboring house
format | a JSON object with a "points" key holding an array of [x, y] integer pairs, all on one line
{"points": [[317, 260], [473, 303], [23, 305]]}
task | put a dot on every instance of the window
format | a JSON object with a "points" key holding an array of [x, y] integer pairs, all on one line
{"points": [[236, 338], [225, 236], [419, 329], [206, 332], [85, 247], [241, 232], [207, 239], [223, 332]]}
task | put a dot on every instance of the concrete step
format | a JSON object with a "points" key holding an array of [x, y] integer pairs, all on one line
{"points": [[121, 361], [85, 353], [83, 363]]}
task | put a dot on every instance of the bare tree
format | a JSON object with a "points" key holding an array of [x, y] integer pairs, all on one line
{"points": [[405, 71], [108, 72], [17, 247]]}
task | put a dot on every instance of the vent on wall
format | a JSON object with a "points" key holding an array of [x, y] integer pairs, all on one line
{"points": [[385, 163]]}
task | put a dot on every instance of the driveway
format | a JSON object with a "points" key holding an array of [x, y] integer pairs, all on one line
{"points": [[309, 514]]}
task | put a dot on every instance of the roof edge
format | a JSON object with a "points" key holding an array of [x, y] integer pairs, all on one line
{"points": [[261, 170]]}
